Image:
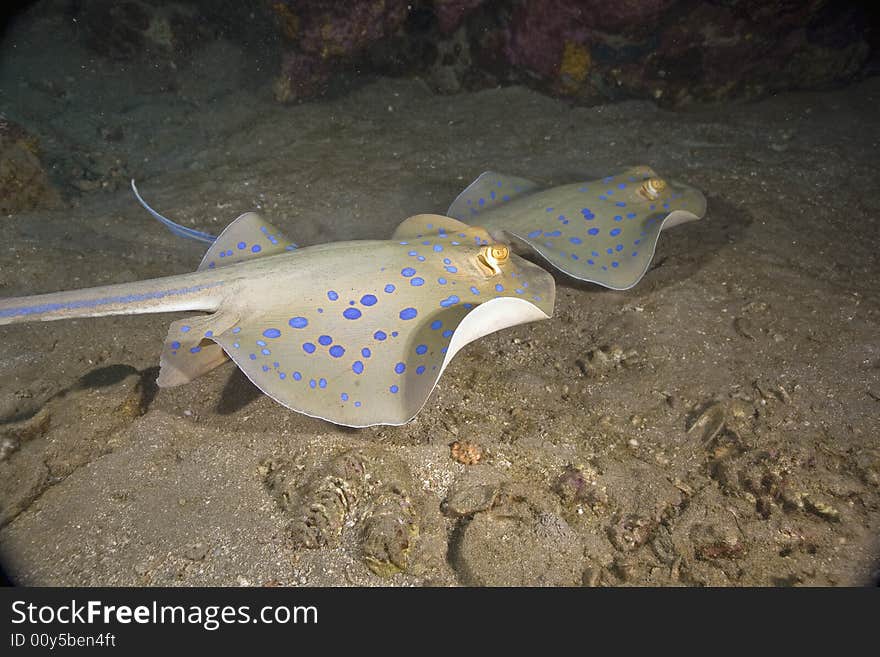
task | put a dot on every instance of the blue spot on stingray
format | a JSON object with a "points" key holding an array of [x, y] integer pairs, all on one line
{"points": [[451, 300], [252, 356], [418, 281], [588, 214], [237, 329], [209, 334], [408, 313], [554, 233], [369, 300], [282, 375], [413, 253], [593, 231], [297, 376], [366, 353], [332, 295], [265, 368], [379, 335], [575, 240], [357, 367], [400, 368], [635, 253], [389, 288], [265, 352], [447, 261], [451, 269], [436, 324], [272, 333], [256, 248], [438, 248], [591, 261], [322, 383], [394, 389], [630, 215], [407, 271], [308, 347], [421, 349], [298, 322], [619, 247], [441, 280], [614, 232], [534, 234], [394, 334], [574, 256], [474, 290], [175, 345], [499, 287], [336, 351], [344, 396], [241, 245], [448, 333], [610, 251], [325, 340], [618, 218], [184, 329], [195, 350], [421, 258], [351, 313], [313, 384], [357, 404], [420, 369], [615, 264], [261, 343]]}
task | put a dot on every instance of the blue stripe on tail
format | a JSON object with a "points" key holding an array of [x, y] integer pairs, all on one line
{"points": [[177, 229]]}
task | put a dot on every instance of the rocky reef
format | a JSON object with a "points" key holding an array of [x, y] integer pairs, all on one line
{"points": [[590, 51], [24, 182]]}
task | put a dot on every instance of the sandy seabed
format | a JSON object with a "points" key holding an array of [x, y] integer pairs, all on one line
{"points": [[719, 424]]}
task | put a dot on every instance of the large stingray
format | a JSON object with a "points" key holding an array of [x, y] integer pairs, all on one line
{"points": [[357, 333]]}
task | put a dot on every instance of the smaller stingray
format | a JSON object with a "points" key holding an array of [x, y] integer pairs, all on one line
{"points": [[357, 333], [601, 231]]}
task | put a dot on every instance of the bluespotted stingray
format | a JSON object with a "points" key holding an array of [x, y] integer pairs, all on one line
{"points": [[356, 333], [601, 231]]}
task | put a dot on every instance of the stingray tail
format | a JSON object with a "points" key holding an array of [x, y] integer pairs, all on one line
{"points": [[169, 294], [177, 229]]}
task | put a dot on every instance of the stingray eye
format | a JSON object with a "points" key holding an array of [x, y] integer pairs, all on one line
{"points": [[500, 252], [652, 188], [491, 257]]}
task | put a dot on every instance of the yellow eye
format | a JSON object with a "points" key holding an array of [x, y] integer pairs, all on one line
{"points": [[652, 188], [491, 257]]}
